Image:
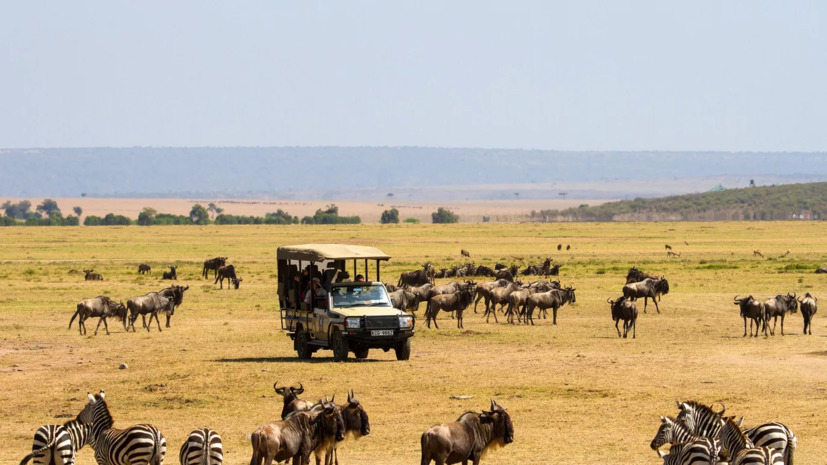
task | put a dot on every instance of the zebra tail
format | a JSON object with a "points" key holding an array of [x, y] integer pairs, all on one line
{"points": [[43, 449], [792, 444], [157, 458], [205, 456]]}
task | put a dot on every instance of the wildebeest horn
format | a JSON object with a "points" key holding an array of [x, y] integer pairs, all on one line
{"points": [[299, 390], [349, 395], [722, 410], [493, 404], [279, 390], [608, 301]]}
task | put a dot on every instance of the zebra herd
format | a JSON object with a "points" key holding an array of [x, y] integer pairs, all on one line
{"points": [[700, 435], [137, 445]]}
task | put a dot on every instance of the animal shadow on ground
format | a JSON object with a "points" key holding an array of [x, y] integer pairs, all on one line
{"points": [[291, 360]]}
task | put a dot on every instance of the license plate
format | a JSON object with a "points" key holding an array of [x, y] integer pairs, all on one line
{"points": [[384, 332]]}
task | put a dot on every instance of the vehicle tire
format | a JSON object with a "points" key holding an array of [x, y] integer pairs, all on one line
{"points": [[403, 350], [340, 347], [361, 354], [303, 349]]}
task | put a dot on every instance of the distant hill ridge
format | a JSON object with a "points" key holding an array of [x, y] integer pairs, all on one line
{"points": [[792, 201], [279, 171]]}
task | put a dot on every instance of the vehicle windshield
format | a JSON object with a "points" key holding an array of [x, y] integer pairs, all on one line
{"points": [[360, 295]]}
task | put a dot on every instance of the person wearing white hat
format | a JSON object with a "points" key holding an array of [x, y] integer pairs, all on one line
{"points": [[317, 290]]}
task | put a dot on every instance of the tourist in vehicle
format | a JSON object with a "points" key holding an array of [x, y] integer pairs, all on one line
{"points": [[318, 291], [360, 278]]}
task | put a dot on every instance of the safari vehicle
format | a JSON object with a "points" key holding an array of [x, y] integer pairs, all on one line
{"points": [[346, 316]]}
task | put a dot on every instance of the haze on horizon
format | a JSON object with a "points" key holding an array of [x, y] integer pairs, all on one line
{"points": [[585, 75]]}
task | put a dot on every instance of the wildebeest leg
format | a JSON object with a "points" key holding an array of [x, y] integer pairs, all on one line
{"points": [[459, 319], [168, 316], [479, 297], [644, 304], [634, 327], [82, 325], [155, 314], [143, 321], [782, 324], [745, 327], [654, 302], [554, 309], [101, 320], [774, 324], [617, 321]]}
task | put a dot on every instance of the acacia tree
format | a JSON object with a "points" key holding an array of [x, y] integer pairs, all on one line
{"points": [[147, 216], [78, 211], [199, 214], [48, 208], [443, 215], [390, 216]]}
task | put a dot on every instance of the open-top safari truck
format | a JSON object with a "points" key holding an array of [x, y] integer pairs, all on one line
{"points": [[341, 315]]}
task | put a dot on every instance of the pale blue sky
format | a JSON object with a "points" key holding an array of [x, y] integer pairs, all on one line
{"points": [[578, 75]]}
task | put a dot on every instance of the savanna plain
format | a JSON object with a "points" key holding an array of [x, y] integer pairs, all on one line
{"points": [[577, 394]]}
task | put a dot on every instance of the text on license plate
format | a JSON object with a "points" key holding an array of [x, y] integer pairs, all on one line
{"points": [[384, 332]]}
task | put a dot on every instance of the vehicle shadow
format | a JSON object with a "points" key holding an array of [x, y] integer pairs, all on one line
{"points": [[291, 360]]}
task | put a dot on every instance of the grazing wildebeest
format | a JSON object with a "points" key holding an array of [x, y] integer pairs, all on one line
{"points": [[290, 397], [404, 300], [468, 438], [415, 278], [148, 304], [101, 307], [809, 307], [171, 274], [297, 436], [757, 253], [92, 276], [779, 306], [647, 289], [213, 264], [465, 253], [143, 269], [455, 302], [754, 310], [553, 299], [357, 424], [484, 292], [228, 273], [499, 296], [625, 310], [176, 294], [636, 276], [821, 270]]}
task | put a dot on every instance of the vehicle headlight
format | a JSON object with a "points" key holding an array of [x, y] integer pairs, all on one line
{"points": [[406, 321], [353, 323]]}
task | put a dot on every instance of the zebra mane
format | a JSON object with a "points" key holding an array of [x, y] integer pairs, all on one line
{"points": [[701, 407]]}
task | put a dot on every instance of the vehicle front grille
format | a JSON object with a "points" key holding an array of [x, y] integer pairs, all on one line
{"points": [[381, 322]]}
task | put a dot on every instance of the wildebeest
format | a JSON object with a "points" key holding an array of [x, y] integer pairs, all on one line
{"points": [[171, 274], [290, 398], [101, 307], [625, 310], [754, 310], [468, 438], [92, 276], [213, 264], [821, 270], [148, 304], [484, 291], [516, 302], [441, 273], [404, 300], [553, 299], [297, 436], [554, 270], [424, 292], [454, 302], [809, 307], [505, 274], [499, 296], [143, 268], [176, 294], [465, 253], [568, 247], [415, 278], [357, 424], [559, 246], [483, 270], [647, 289], [779, 306], [499, 266], [228, 273], [668, 247], [636, 276]]}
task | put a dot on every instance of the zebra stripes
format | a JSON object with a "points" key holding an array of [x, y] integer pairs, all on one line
{"points": [[776, 436], [136, 445], [58, 444], [741, 449], [697, 452], [202, 447]]}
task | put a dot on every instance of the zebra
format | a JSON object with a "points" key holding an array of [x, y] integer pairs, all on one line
{"points": [[703, 421], [742, 451], [58, 444], [136, 445], [697, 452], [672, 431], [202, 447]]}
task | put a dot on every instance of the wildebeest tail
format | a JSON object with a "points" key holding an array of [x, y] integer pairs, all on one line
{"points": [[256, 442], [73, 317], [426, 455]]}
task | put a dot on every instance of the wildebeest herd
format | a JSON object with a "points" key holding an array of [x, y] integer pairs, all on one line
{"points": [[700, 435], [151, 304], [305, 429]]}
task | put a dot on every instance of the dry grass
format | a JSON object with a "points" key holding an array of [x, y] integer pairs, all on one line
{"points": [[577, 394]]}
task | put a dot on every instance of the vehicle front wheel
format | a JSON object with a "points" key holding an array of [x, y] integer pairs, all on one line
{"points": [[403, 350], [340, 347], [303, 349], [361, 354]]}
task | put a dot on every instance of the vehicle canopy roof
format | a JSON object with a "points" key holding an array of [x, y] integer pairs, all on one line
{"points": [[321, 252]]}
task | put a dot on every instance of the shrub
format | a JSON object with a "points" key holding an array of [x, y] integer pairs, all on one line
{"points": [[390, 216], [412, 220], [442, 216]]}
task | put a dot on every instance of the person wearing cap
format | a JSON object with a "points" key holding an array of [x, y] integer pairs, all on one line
{"points": [[317, 290], [360, 278]]}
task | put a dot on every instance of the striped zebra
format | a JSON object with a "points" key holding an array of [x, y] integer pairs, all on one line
{"points": [[697, 452], [202, 447], [136, 445], [703, 421], [58, 444], [742, 451]]}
